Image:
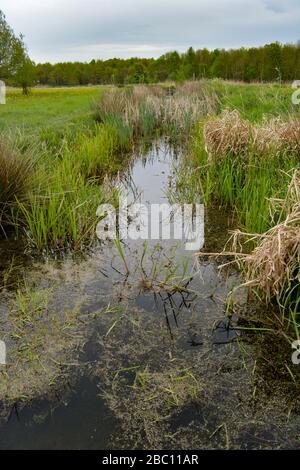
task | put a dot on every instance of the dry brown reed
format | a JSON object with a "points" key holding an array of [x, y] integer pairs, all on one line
{"points": [[138, 105], [273, 267], [229, 134]]}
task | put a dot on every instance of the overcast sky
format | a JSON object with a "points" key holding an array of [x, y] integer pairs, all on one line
{"points": [[61, 30]]}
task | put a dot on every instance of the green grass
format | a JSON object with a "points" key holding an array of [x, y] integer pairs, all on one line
{"points": [[245, 186], [60, 210], [47, 108], [77, 153], [254, 101], [57, 209]]}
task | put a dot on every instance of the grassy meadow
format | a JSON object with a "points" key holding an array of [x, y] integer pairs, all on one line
{"points": [[47, 108]]}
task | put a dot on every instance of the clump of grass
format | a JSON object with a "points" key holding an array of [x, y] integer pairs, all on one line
{"points": [[95, 153], [16, 178], [61, 212], [243, 165], [127, 108], [230, 134], [273, 267], [112, 102], [146, 110], [278, 136]]}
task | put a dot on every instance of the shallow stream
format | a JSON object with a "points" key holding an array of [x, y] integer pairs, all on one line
{"points": [[147, 358]]}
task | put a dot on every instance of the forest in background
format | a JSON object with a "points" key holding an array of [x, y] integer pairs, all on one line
{"points": [[272, 62]]}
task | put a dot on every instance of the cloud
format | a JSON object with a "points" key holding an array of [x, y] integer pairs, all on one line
{"points": [[76, 30], [278, 6], [275, 6]]}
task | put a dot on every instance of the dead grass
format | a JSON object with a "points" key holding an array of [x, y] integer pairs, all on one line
{"points": [[229, 134], [150, 108], [273, 267], [278, 136]]}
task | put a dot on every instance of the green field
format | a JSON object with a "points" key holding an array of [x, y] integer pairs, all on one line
{"points": [[45, 108], [55, 107]]}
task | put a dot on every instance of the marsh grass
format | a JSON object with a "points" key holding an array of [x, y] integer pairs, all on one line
{"points": [[94, 154], [59, 208], [148, 110], [16, 176], [62, 214], [242, 165], [79, 156], [272, 268], [230, 134]]}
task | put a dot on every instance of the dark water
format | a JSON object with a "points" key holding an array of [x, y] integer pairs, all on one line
{"points": [[82, 422], [150, 341]]}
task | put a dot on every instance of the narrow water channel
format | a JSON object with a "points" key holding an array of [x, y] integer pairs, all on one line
{"points": [[161, 365]]}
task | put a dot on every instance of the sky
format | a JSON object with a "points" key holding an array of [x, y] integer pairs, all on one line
{"points": [[69, 30]]}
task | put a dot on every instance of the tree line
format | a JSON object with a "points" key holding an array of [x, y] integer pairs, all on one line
{"points": [[272, 62]]}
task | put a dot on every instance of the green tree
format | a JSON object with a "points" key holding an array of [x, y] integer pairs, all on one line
{"points": [[24, 70], [13, 55]]}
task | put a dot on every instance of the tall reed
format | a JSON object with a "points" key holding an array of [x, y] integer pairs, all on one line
{"points": [[146, 110]]}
